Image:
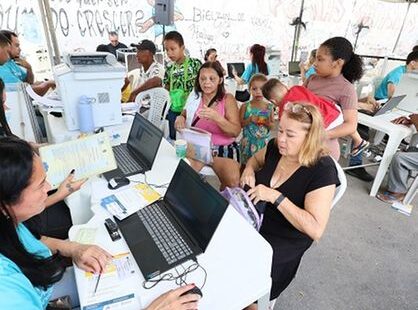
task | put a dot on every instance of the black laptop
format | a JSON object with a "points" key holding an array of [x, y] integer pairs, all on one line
{"points": [[239, 67], [138, 154], [177, 228], [386, 107]]}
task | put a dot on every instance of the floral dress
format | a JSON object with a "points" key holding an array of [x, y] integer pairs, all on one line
{"points": [[255, 136]]}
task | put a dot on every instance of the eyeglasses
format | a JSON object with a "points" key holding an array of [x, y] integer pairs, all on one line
{"points": [[297, 108]]}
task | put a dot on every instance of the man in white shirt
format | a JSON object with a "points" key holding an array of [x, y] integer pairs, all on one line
{"points": [[151, 73]]}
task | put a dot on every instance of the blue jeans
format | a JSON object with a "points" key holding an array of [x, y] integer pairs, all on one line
{"points": [[171, 117], [356, 160]]}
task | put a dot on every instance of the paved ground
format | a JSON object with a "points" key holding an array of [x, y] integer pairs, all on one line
{"points": [[367, 259]]}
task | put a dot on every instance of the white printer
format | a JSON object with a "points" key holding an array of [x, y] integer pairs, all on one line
{"points": [[96, 75]]}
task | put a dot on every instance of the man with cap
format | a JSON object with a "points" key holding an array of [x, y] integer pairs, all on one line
{"points": [[150, 74]]}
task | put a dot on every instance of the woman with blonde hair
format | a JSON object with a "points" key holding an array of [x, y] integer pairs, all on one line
{"points": [[296, 178]]}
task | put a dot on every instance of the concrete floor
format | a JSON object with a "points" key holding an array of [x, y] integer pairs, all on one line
{"points": [[367, 258]]}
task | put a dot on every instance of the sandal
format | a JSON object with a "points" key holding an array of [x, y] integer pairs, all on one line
{"points": [[389, 197], [360, 148]]}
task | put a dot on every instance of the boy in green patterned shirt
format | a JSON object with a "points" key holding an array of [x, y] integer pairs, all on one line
{"points": [[180, 76]]}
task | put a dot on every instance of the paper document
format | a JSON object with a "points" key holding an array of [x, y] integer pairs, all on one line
{"points": [[88, 156], [113, 289], [199, 144], [126, 202], [44, 100]]}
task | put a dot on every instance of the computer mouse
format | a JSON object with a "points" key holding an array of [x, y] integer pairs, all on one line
{"points": [[194, 290], [117, 182]]}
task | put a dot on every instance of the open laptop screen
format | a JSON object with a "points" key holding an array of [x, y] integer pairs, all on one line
{"points": [[144, 139], [239, 67], [195, 203]]}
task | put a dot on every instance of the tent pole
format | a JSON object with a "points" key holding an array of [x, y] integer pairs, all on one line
{"points": [[53, 37], [400, 31], [46, 33]]}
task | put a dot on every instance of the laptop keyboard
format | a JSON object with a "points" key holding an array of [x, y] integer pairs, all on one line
{"points": [[168, 240], [125, 161]]}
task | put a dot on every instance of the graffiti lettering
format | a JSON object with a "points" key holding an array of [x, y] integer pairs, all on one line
{"points": [[99, 22]]}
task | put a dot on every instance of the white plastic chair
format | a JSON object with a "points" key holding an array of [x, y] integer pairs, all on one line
{"points": [[411, 191], [339, 191], [159, 101]]}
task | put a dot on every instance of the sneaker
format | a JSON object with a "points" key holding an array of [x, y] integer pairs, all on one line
{"points": [[361, 174], [360, 148], [389, 197]]}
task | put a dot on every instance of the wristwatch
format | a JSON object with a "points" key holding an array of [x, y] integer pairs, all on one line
{"points": [[279, 200]]}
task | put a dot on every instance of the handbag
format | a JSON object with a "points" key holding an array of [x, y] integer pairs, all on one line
{"points": [[242, 95], [239, 199]]}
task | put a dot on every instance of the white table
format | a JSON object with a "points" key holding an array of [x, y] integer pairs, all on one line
{"points": [[237, 260], [396, 134]]}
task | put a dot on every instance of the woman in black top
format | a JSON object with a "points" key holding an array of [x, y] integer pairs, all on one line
{"points": [[297, 179]]}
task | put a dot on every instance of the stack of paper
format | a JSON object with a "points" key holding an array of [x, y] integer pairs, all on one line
{"points": [[114, 288], [126, 202]]}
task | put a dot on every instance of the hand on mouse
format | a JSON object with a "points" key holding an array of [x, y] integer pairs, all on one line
{"points": [[172, 300]]}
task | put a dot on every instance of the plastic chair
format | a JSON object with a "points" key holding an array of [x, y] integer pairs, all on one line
{"points": [[339, 191], [159, 101], [411, 191]]}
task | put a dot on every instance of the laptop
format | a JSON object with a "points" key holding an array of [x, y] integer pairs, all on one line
{"points": [[177, 228], [386, 107], [239, 67], [293, 68], [408, 86], [138, 154]]}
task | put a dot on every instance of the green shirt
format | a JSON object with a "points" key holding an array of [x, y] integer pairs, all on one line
{"points": [[181, 77]]}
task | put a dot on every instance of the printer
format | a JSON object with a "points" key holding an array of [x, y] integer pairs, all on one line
{"points": [[96, 75]]}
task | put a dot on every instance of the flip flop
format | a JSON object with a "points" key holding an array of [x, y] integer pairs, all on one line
{"points": [[388, 197]]}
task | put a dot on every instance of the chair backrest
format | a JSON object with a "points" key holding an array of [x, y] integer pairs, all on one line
{"points": [[23, 122], [159, 100], [339, 191]]}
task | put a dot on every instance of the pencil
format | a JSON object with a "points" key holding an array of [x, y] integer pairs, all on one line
{"points": [[97, 283]]}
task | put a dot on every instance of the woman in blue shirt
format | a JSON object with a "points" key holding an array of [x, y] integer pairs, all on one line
{"points": [[29, 267], [257, 65]]}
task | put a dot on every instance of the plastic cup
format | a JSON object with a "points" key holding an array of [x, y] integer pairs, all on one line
{"points": [[181, 148]]}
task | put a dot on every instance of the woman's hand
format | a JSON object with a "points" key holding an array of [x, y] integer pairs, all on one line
{"points": [[210, 114], [403, 120], [68, 186], [91, 258], [248, 177], [173, 301], [180, 122], [263, 193]]}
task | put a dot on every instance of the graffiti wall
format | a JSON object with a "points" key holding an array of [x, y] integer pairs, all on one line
{"points": [[230, 26]]}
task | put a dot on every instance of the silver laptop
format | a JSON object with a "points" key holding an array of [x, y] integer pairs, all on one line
{"points": [[386, 107]]}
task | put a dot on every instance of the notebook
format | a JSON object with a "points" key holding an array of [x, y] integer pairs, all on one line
{"points": [[177, 228], [138, 154], [386, 107]]}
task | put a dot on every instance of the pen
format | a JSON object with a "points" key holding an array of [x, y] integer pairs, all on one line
{"points": [[97, 283]]}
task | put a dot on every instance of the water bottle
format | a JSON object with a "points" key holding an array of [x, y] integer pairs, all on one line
{"points": [[85, 114]]}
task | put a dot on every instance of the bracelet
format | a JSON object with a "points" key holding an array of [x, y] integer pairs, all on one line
{"points": [[279, 200]]}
